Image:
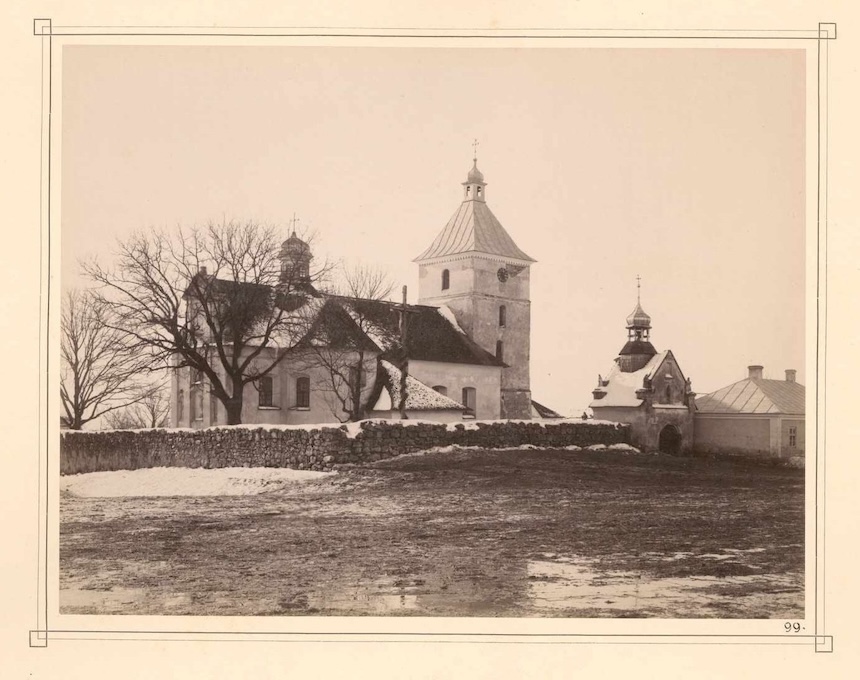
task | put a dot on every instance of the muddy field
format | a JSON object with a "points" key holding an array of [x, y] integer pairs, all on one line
{"points": [[509, 533]]}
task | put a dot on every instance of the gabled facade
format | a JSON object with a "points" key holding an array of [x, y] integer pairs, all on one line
{"points": [[648, 390]]}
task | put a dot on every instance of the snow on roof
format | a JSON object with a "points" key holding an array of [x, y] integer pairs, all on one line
{"points": [[419, 397], [448, 315], [621, 387]]}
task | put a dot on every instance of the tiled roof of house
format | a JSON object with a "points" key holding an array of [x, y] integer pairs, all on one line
{"points": [[430, 336], [474, 228], [755, 396]]}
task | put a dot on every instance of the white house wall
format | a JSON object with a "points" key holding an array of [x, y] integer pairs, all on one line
{"points": [[454, 377]]}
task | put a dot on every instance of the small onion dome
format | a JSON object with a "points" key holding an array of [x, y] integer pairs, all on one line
{"points": [[294, 246], [475, 176], [638, 318]]}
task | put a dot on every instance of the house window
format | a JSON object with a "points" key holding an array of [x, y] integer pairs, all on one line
{"points": [[503, 316], [668, 396], [446, 279], [500, 350], [792, 437], [180, 406], [196, 403], [213, 408], [470, 397], [266, 386], [303, 392], [441, 389]]}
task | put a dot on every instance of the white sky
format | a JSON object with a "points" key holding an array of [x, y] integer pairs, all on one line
{"points": [[683, 165]]}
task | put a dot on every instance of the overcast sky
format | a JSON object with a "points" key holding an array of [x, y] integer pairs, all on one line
{"points": [[685, 166]]}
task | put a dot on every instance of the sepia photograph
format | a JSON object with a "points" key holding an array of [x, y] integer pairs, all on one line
{"points": [[434, 331]]}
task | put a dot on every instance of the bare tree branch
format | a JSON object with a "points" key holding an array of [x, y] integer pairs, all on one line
{"points": [[101, 369], [223, 300]]}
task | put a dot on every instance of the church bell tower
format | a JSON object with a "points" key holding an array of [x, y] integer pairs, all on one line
{"points": [[475, 269]]}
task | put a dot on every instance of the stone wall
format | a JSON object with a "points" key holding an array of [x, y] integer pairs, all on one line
{"points": [[322, 448]]}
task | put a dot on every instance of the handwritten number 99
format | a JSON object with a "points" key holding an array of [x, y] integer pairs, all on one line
{"points": [[792, 627]]}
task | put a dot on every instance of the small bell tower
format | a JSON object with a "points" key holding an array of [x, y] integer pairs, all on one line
{"points": [[638, 350]]}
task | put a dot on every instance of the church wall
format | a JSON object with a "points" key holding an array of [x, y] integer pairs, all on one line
{"points": [[322, 409], [485, 380], [475, 295], [647, 423]]}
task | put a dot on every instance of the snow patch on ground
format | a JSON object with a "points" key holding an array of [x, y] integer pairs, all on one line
{"points": [[176, 481], [456, 448]]}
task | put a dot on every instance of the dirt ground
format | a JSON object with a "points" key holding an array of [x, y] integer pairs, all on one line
{"points": [[496, 533]]}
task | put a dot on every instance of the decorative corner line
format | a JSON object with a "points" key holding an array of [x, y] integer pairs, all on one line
{"points": [[826, 31], [824, 644], [38, 638], [40, 26]]}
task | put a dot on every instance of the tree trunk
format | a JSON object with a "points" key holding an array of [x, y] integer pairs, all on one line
{"points": [[233, 406]]}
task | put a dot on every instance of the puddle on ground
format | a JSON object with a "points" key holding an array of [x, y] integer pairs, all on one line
{"points": [[577, 584], [380, 596], [115, 601]]}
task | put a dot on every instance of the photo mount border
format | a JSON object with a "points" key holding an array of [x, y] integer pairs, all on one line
{"points": [[44, 28]]}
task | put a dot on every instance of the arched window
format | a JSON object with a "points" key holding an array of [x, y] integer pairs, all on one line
{"points": [[500, 350], [303, 392], [446, 279], [470, 399], [668, 394], [441, 389], [503, 316]]}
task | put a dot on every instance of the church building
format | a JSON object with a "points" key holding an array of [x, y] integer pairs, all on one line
{"points": [[647, 389], [474, 268], [466, 347]]}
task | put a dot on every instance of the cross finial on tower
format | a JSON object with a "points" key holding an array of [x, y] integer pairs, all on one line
{"points": [[293, 222], [475, 151], [638, 287]]}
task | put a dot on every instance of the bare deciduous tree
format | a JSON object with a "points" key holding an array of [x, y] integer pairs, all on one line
{"points": [[101, 369], [150, 412], [338, 347], [226, 300]]}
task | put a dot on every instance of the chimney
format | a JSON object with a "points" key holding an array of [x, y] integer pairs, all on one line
{"points": [[202, 271], [755, 371], [790, 375]]}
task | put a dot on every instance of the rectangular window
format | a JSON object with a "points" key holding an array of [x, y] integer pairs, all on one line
{"points": [[196, 403], [792, 437], [213, 408], [503, 316], [469, 401], [180, 406], [266, 385], [303, 392]]}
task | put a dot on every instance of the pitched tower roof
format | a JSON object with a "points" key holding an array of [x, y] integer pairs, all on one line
{"points": [[474, 228]]}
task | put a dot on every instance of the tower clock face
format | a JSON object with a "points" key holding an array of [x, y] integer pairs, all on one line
{"points": [[502, 274]]}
